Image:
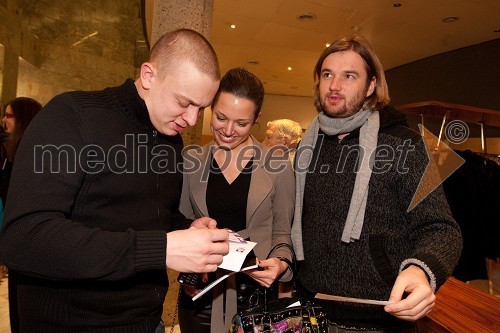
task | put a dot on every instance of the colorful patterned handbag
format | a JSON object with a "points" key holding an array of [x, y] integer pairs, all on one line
{"points": [[282, 315], [279, 318]]}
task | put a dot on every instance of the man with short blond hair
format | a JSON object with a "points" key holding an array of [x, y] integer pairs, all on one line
{"points": [[94, 196]]}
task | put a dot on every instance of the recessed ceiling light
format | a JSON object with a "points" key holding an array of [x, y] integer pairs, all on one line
{"points": [[306, 17], [450, 19], [327, 44], [232, 26], [397, 4], [289, 68]]}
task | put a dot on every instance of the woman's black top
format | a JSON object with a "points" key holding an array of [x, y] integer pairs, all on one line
{"points": [[227, 203]]}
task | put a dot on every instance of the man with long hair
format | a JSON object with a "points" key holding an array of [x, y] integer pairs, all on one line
{"points": [[357, 169]]}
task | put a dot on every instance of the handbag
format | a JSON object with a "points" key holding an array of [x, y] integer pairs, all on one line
{"points": [[280, 315]]}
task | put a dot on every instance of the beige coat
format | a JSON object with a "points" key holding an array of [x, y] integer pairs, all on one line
{"points": [[271, 197]]}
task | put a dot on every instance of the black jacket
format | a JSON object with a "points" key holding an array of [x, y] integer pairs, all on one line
{"points": [[93, 192]]}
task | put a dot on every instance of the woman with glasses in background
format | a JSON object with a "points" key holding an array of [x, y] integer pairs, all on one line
{"points": [[17, 115]]}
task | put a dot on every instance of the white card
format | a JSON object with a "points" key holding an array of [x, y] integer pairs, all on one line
{"points": [[238, 251]]}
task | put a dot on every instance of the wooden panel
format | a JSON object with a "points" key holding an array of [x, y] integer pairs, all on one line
{"points": [[462, 308]]}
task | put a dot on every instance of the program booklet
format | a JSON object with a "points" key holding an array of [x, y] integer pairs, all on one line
{"points": [[238, 252], [239, 249]]}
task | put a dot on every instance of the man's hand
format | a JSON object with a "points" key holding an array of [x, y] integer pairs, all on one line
{"points": [[420, 300], [203, 223], [196, 250]]}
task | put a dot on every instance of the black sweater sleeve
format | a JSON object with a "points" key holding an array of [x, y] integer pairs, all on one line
{"points": [[50, 230]]}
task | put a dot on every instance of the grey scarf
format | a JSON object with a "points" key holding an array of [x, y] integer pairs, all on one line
{"points": [[369, 122]]}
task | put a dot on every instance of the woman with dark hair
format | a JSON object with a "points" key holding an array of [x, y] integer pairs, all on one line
{"points": [[17, 115], [238, 182]]}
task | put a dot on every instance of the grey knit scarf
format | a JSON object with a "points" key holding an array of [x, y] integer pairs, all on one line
{"points": [[369, 122]]}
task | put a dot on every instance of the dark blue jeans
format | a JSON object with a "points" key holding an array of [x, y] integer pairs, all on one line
{"points": [[160, 328]]}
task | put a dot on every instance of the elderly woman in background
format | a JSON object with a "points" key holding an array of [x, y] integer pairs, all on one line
{"points": [[283, 132]]}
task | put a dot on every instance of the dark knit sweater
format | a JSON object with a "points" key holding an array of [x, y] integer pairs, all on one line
{"points": [[367, 268], [87, 242]]}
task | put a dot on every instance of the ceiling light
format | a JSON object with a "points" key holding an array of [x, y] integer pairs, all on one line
{"points": [[232, 26], [306, 17], [289, 68], [397, 4], [450, 19], [327, 44]]}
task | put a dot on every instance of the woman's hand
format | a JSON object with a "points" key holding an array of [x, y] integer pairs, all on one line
{"points": [[270, 270]]}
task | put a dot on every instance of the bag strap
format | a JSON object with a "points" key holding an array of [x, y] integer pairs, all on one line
{"points": [[291, 264], [301, 293]]}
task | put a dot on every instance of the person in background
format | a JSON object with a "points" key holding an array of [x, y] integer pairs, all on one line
{"points": [[238, 182], [94, 196], [283, 132], [358, 167], [17, 115]]}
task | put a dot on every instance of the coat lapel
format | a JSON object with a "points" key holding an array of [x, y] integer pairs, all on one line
{"points": [[260, 185]]}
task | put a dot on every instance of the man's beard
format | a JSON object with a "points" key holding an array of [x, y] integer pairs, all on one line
{"points": [[350, 107]]}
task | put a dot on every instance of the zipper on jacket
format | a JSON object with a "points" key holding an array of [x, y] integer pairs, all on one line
{"points": [[155, 137], [155, 142]]}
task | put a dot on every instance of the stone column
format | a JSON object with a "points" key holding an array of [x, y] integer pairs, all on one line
{"points": [[191, 14], [9, 75]]}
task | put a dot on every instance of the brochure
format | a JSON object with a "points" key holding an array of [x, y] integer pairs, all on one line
{"points": [[234, 260], [238, 251], [222, 278]]}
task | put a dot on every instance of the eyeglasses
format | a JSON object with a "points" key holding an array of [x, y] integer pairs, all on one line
{"points": [[8, 115]]}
